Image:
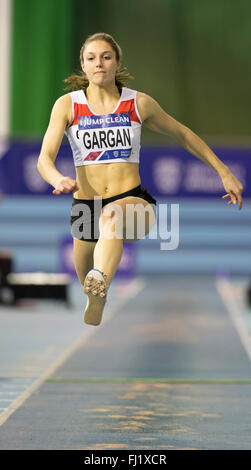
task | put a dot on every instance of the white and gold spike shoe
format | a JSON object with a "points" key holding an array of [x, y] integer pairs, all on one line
{"points": [[95, 287]]}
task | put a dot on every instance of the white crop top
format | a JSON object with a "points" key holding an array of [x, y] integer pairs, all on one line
{"points": [[107, 138]]}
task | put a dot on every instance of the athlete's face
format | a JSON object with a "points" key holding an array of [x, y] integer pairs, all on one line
{"points": [[99, 62]]}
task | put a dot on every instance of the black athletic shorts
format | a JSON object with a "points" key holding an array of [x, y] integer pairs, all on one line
{"points": [[85, 213]]}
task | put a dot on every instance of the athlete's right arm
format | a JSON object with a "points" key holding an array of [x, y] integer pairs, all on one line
{"points": [[60, 118]]}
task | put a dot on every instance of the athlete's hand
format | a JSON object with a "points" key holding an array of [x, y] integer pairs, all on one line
{"points": [[234, 189], [66, 185]]}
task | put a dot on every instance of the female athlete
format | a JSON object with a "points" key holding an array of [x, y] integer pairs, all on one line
{"points": [[102, 119]]}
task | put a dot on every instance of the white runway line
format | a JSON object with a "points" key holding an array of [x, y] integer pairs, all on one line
{"points": [[128, 291], [227, 294]]}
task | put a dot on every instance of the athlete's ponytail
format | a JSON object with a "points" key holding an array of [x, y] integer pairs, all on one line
{"points": [[80, 81]]}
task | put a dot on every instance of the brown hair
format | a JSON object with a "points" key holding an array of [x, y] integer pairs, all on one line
{"points": [[79, 81]]}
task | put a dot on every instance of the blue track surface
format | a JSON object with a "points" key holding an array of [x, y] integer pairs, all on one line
{"points": [[167, 370]]}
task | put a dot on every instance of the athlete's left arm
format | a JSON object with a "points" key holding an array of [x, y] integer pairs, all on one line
{"points": [[156, 119]]}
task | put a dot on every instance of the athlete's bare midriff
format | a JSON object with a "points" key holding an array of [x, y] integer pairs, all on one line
{"points": [[106, 179]]}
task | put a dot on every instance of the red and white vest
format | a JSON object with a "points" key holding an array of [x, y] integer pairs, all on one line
{"points": [[107, 138]]}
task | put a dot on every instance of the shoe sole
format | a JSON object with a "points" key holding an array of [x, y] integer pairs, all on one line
{"points": [[95, 303]]}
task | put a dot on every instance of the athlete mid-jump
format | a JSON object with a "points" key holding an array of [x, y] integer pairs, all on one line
{"points": [[102, 119]]}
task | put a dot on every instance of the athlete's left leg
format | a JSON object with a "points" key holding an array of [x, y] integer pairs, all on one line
{"points": [[130, 219]]}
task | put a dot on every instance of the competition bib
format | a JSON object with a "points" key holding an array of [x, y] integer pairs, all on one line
{"points": [[106, 137]]}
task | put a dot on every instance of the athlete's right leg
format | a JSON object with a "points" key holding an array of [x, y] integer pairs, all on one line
{"points": [[83, 257]]}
